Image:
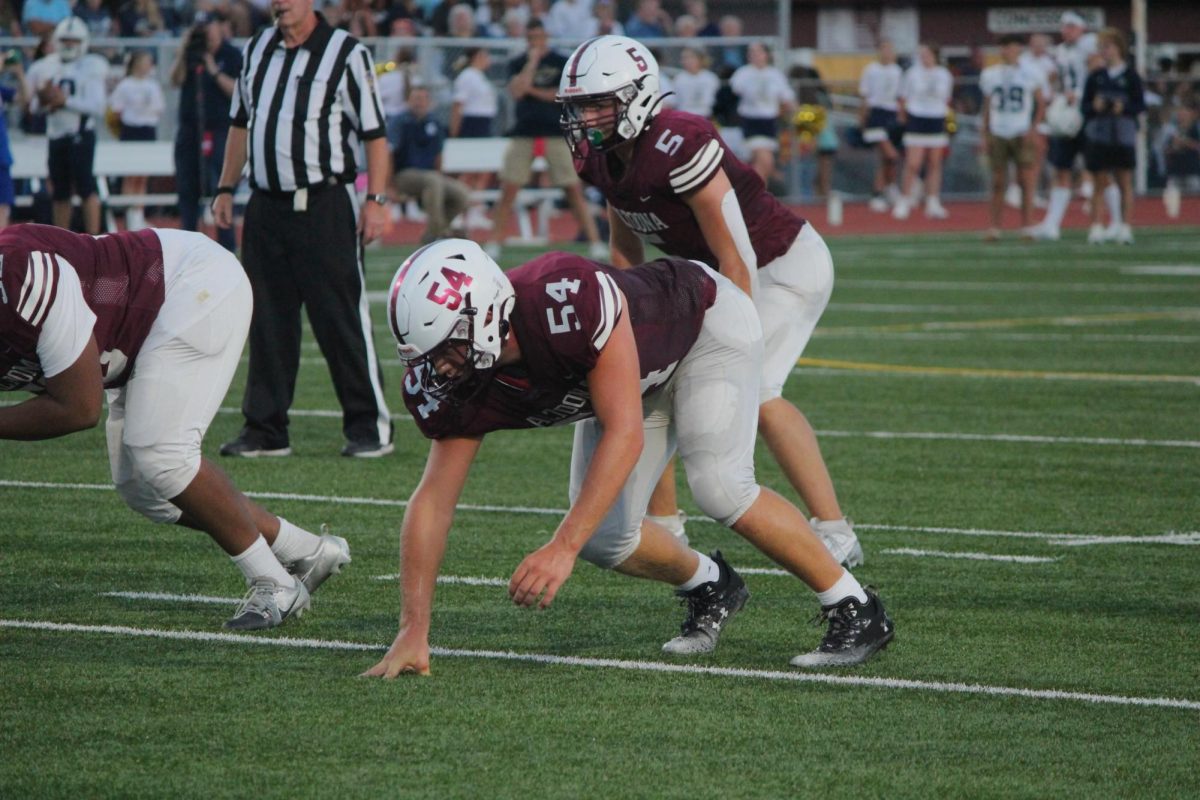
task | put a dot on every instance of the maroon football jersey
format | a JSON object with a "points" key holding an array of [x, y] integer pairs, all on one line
{"points": [[122, 280], [566, 307], [676, 154]]}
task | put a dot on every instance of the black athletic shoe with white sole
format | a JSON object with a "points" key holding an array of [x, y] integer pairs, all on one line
{"points": [[710, 607], [856, 632]]}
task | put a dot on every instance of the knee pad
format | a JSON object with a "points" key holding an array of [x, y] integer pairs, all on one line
{"points": [[610, 545], [142, 499], [157, 476], [723, 491]]}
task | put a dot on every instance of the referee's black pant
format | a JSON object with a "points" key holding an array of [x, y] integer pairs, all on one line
{"points": [[309, 258]]}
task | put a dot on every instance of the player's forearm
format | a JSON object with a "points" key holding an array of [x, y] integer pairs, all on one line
{"points": [[235, 157], [615, 456], [45, 417], [423, 538]]}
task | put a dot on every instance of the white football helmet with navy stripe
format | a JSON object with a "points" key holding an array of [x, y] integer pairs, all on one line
{"points": [[449, 300], [613, 69], [70, 38]]}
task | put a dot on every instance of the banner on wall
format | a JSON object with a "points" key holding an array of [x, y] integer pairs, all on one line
{"points": [[1039, 20]]}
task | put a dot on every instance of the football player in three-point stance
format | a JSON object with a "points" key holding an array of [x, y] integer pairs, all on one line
{"points": [[671, 181], [157, 319], [660, 357]]}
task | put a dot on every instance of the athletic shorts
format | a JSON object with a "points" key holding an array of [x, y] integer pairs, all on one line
{"points": [[761, 134], [138, 133], [1107, 157], [925, 132], [880, 122], [475, 127], [1016, 150], [71, 166], [1063, 151], [522, 150]]}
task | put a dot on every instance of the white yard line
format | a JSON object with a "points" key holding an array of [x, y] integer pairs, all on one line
{"points": [[174, 598], [906, 551], [1162, 269], [620, 664], [1171, 537]]}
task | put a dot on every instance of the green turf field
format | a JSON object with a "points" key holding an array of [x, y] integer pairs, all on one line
{"points": [[1014, 428]]}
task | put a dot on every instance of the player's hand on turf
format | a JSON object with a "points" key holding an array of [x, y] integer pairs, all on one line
{"points": [[408, 655], [544, 570]]}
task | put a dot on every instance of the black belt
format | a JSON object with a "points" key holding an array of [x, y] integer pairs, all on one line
{"points": [[315, 188]]}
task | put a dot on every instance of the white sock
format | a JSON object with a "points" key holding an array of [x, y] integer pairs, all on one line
{"points": [[1060, 198], [706, 571], [846, 586], [293, 542], [1112, 199], [671, 522], [259, 562]]}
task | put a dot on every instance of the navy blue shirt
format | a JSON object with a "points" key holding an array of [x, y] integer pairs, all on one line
{"points": [[538, 117], [420, 144], [216, 102], [1106, 125]]}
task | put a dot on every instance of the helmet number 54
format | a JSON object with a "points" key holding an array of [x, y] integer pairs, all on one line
{"points": [[449, 296]]}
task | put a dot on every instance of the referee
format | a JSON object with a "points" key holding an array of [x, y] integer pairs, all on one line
{"points": [[303, 102]]}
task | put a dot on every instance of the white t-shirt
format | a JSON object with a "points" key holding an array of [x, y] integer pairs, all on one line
{"points": [[476, 93], [926, 92], [1011, 93], [761, 91], [695, 93], [139, 101], [1072, 64], [1044, 64], [880, 85], [83, 82], [68, 325], [393, 87]]}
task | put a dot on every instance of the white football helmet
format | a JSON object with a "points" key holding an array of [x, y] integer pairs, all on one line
{"points": [[608, 68], [1063, 118], [70, 38], [449, 295]]}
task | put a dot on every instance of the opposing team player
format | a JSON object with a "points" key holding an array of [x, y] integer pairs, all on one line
{"points": [[68, 86], [1066, 121], [157, 319], [671, 181], [662, 356]]}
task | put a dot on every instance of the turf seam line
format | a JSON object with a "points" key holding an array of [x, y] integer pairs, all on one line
{"points": [[622, 664], [1169, 537]]}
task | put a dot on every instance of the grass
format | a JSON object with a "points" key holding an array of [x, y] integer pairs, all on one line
{"points": [[104, 715]]}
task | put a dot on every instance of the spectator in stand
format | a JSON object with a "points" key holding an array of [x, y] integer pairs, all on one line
{"points": [[1013, 107], [967, 96], [649, 21], [604, 20], [733, 55], [1180, 147], [924, 103], [473, 116], [9, 96], [763, 96], [533, 84], [401, 18], [141, 18], [569, 19], [510, 20], [879, 88], [418, 166], [461, 22], [356, 17], [205, 86], [1113, 99], [698, 10], [38, 17], [138, 100], [393, 86], [96, 16], [686, 27], [811, 93], [695, 86], [10, 19]]}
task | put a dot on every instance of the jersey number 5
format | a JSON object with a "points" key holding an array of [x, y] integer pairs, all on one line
{"points": [[449, 296], [669, 144]]}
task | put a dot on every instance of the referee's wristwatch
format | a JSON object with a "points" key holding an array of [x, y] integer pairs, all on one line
{"points": [[382, 199]]}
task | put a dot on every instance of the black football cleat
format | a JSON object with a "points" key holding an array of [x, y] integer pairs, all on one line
{"points": [[856, 632], [710, 607]]}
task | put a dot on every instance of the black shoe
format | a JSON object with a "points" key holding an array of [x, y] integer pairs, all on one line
{"points": [[710, 607], [367, 449], [247, 447], [856, 632]]}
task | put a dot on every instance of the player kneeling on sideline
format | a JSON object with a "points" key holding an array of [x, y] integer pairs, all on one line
{"points": [[157, 319], [662, 356]]}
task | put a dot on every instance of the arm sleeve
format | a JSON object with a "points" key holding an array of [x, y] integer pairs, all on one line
{"points": [[68, 323], [364, 94], [1137, 94]]}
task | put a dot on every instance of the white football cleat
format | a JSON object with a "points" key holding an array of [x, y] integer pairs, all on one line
{"points": [[1124, 234], [1097, 234], [840, 540], [267, 605], [331, 555]]}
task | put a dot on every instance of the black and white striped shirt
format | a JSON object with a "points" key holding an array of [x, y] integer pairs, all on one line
{"points": [[307, 107]]}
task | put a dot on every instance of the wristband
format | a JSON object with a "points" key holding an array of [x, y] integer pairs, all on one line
{"points": [[223, 190], [382, 199]]}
